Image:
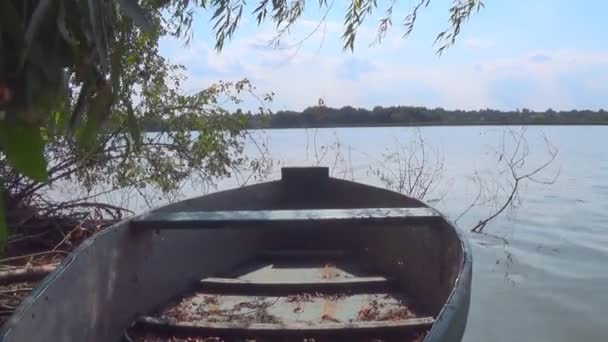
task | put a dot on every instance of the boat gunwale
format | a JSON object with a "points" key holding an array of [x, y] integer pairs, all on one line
{"points": [[459, 290]]}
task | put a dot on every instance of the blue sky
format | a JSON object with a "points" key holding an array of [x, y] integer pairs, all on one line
{"points": [[535, 54]]}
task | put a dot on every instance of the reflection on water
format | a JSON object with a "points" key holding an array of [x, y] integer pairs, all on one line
{"points": [[550, 283]]}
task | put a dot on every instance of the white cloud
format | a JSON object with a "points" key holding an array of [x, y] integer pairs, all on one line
{"points": [[301, 75], [562, 79], [545, 64], [299, 78]]}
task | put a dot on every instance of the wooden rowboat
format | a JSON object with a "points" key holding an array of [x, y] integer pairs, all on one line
{"points": [[305, 258]]}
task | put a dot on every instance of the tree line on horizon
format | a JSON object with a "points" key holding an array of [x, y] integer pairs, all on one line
{"points": [[348, 116]]}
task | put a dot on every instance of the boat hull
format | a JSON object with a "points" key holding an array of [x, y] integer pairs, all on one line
{"points": [[119, 274]]}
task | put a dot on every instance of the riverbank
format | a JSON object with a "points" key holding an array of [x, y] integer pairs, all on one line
{"points": [[34, 250]]}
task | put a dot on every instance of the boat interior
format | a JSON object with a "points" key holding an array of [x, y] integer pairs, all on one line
{"points": [[322, 274]]}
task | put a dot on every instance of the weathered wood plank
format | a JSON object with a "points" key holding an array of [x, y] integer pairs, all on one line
{"points": [[246, 329], [269, 287], [279, 218]]}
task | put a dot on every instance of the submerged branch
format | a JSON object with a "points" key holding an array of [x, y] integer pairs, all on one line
{"points": [[514, 165]]}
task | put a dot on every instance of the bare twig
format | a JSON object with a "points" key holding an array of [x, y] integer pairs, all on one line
{"points": [[5, 260], [474, 202], [31, 273], [127, 337], [68, 236], [262, 307], [20, 238], [276, 40], [514, 165], [410, 169], [13, 291]]}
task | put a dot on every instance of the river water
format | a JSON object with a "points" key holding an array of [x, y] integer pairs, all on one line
{"points": [[550, 282]]}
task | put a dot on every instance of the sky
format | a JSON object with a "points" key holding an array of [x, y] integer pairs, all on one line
{"points": [[535, 54]]}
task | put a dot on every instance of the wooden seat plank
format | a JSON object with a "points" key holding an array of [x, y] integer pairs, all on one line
{"points": [[303, 329], [269, 287]]}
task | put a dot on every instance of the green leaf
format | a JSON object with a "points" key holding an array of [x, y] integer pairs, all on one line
{"points": [[133, 125], [98, 111], [80, 104], [88, 133], [58, 123], [24, 148], [115, 66], [46, 84], [3, 225]]}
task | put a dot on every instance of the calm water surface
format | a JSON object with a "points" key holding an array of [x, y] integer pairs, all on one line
{"points": [[550, 283]]}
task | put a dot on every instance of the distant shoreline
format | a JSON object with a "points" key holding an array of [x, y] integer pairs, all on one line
{"points": [[399, 116], [416, 125], [408, 116], [431, 125]]}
